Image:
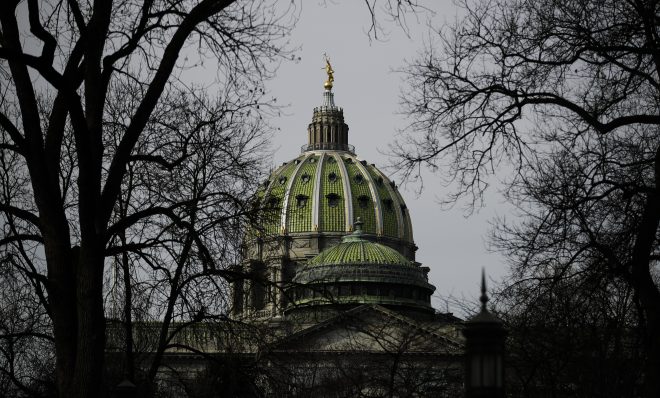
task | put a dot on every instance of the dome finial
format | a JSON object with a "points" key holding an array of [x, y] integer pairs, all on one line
{"points": [[484, 296], [358, 225], [356, 235], [331, 73]]}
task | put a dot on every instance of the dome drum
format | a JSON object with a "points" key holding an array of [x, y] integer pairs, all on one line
{"points": [[345, 295], [327, 146], [333, 273]]}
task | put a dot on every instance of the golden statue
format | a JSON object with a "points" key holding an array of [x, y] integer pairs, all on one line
{"points": [[330, 72]]}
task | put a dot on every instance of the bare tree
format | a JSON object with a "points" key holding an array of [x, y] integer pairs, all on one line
{"points": [[565, 93], [70, 165], [572, 337], [86, 92], [172, 267], [26, 351]]}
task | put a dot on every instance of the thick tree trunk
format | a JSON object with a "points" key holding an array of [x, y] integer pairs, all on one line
{"points": [[62, 300], [87, 379], [76, 305], [649, 299], [652, 368], [645, 288]]}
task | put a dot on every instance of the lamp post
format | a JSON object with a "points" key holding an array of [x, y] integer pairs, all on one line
{"points": [[484, 352]]}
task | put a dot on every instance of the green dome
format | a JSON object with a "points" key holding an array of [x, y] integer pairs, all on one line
{"points": [[324, 191], [356, 259], [358, 271], [355, 250]]}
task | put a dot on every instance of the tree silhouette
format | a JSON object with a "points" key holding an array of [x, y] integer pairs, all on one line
{"points": [[565, 94]]}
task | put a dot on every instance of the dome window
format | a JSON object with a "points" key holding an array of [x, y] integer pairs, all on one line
{"points": [[388, 204], [282, 180], [305, 178], [363, 201], [301, 200], [403, 210], [331, 159], [312, 160], [266, 183], [348, 160], [333, 199], [273, 202], [379, 181], [297, 161], [332, 177], [359, 179]]}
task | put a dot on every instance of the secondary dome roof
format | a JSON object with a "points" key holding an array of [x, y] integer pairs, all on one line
{"points": [[357, 259], [358, 271], [355, 250]]}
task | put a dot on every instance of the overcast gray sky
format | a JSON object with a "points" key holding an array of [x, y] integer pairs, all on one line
{"points": [[368, 89]]}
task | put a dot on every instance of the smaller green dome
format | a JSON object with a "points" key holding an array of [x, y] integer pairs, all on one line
{"points": [[358, 271], [354, 249]]}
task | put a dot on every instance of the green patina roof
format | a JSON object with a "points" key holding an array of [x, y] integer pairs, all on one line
{"points": [[354, 249], [325, 191]]}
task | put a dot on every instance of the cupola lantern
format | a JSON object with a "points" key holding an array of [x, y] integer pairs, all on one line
{"points": [[328, 130]]}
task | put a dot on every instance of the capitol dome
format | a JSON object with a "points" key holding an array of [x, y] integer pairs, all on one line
{"points": [[308, 208], [327, 187]]}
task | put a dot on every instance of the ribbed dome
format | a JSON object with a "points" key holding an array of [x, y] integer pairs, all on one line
{"points": [[356, 259], [358, 271], [356, 250], [324, 191]]}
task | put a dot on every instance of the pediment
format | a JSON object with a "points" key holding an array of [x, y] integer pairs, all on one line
{"points": [[371, 328]]}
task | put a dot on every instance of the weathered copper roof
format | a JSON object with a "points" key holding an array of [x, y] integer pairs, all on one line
{"points": [[354, 249], [324, 191]]}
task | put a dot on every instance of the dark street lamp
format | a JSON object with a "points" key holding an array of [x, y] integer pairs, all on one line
{"points": [[484, 352]]}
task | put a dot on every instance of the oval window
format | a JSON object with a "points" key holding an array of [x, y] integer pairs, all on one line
{"points": [[333, 199], [363, 201], [301, 200]]}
